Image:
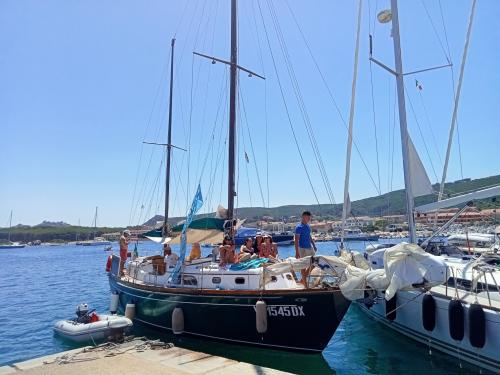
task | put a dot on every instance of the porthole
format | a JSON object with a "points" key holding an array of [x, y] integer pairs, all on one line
{"points": [[289, 277], [239, 280], [189, 280], [216, 280]]}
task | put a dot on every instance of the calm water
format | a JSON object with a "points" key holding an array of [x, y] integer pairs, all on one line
{"points": [[40, 285]]}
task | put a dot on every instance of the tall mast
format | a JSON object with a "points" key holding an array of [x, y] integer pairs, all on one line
{"points": [[346, 205], [233, 90], [165, 229], [232, 111], [402, 119], [457, 99]]}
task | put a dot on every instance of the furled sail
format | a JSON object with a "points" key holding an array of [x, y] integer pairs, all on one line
{"points": [[420, 183], [195, 206]]}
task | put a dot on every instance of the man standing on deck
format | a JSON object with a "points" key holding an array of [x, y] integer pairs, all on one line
{"points": [[304, 244], [124, 240]]}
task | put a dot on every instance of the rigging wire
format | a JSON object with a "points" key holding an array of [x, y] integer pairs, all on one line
{"points": [[251, 145], [286, 106], [190, 127], [301, 102], [420, 132], [452, 71], [373, 101], [261, 57], [426, 113], [447, 56], [148, 124], [332, 98], [207, 86]]}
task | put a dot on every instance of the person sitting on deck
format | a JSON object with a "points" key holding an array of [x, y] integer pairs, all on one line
{"points": [[246, 250], [265, 247], [195, 252], [170, 258], [226, 252], [256, 244], [274, 248]]}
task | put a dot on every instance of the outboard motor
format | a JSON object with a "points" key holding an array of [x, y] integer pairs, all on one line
{"points": [[82, 313]]}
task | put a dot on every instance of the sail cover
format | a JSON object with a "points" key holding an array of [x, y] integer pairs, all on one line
{"points": [[420, 183]]}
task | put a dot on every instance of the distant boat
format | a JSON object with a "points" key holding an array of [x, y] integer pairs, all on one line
{"points": [[9, 244], [280, 238], [356, 235], [97, 241]]}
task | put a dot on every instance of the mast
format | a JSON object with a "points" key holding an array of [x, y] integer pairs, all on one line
{"points": [[95, 221], [232, 112], [457, 99], [346, 205], [233, 90], [402, 119], [165, 229], [10, 225]]}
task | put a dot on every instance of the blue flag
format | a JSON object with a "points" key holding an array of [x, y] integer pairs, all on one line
{"points": [[195, 206]]}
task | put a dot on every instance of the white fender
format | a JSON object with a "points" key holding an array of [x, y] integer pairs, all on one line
{"points": [[178, 321], [261, 316], [113, 303], [130, 311]]}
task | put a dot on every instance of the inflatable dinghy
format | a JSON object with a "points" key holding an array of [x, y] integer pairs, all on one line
{"points": [[88, 326]]}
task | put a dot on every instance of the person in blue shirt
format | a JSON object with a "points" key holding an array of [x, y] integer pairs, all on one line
{"points": [[304, 244]]}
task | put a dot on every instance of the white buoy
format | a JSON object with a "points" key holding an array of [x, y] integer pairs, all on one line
{"points": [[178, 321], [130, 311], [261, 316], [113, 303]]}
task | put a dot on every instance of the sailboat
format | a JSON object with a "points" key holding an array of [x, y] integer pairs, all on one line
{"points": [[96, 241], [460, 317], [9, 244], [244, 303]]}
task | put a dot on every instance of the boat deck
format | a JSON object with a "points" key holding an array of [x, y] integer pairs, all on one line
{"points": [[468, 297]]}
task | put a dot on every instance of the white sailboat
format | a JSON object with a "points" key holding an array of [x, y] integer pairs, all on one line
{"points": [[9, 244], [460, 317], [96, 241]]}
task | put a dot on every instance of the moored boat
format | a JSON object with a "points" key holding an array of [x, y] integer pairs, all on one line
{"points": [[219, 303]]}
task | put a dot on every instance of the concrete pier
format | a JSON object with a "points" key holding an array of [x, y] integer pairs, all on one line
{"points": [[134, 357]]}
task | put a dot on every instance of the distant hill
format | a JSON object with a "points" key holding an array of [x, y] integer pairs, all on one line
{"points": [[152, 222], [393, 203], [52, 224]]}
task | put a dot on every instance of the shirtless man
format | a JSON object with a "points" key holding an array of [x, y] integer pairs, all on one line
{"points": [[124, 241]]}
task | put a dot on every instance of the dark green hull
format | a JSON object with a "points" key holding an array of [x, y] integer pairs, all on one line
{"points": [[298, 320]]}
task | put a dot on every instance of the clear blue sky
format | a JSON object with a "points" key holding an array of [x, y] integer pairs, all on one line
{"points": [[83, 83]]}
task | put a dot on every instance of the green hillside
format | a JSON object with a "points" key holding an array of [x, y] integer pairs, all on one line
{"points": [[392, 203]]}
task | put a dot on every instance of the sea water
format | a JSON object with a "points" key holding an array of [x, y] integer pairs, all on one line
{"points": [[42, 284]]}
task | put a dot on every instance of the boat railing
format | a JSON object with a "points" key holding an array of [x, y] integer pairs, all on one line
{"points": [[457, 289]]}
